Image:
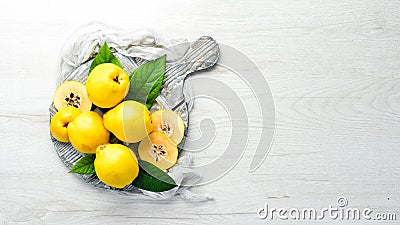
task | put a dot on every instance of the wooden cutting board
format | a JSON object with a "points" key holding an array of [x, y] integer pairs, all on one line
{"points": [[201, 54]]}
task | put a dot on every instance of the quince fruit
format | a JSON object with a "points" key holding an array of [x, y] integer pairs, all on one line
{"points": [[158, 150], [129, 121], [116, 165], [60, 121], [107, 85], [72, 93], [169, 123], [86, 132]]}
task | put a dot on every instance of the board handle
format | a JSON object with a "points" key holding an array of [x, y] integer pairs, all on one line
{"points": [[201, 54]]}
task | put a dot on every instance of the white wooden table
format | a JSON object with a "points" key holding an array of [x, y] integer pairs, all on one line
{"points": [[333, 68]]}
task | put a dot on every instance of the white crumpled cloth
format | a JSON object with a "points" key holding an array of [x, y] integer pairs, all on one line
{"points": [[85, 43]]}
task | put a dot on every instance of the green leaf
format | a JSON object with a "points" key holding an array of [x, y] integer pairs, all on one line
{"points": [[85, 165], [104, 56], [146, 81], [151, 178]]}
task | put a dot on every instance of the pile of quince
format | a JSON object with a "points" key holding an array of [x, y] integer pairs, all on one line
{"points": [[89, 132]]}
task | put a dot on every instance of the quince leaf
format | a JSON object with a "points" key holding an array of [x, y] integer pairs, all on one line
{"points": [[85, 165], [104, 56], [151, 178], [146, 81]]}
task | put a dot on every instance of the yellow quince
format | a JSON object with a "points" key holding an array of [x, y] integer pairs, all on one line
{"points": [[86, 132], [129, 121], [107, 85]]}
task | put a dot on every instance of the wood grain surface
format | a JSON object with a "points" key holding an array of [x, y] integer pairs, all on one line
{"points": [[333, 68]]}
